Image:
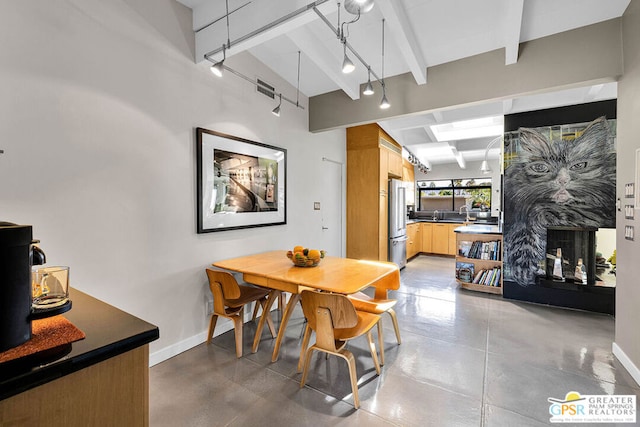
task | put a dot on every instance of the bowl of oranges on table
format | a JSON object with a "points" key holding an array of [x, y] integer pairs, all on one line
{"points": [[305, 257]]}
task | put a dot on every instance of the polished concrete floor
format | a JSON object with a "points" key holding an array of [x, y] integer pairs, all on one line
{"points": [[466, 359]]}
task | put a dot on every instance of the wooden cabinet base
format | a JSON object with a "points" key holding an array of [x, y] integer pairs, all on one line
{"points": [[113, 392], [481, 288]]}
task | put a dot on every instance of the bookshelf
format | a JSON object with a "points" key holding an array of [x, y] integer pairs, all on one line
{"points": [[479, 259]]}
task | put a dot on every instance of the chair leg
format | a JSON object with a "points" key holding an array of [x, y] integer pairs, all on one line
{"points": [[374, 353], [212, 327], [351, 362], [307, 362], [381, 342], [255, 310], [305, 344], [237, 325], [394, 319]]}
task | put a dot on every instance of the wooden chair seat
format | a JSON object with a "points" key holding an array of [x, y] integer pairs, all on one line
{"points": [[366, 321], [335, 321], [229, 299]]}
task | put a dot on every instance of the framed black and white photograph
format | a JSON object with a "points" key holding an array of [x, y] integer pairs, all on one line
{"points": [[241, 183]]}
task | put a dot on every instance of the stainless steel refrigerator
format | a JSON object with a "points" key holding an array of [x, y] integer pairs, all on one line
{"points": [[397, 223]]}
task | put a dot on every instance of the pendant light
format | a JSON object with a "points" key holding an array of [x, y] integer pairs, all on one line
{"points": [[368, 89], [384, 102], [347, 63]]}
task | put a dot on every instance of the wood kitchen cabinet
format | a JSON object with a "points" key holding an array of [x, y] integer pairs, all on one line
{"points": [[440, 242], [452, 238], [372, 158], [414, 239], [439, 238], [426, 228]]}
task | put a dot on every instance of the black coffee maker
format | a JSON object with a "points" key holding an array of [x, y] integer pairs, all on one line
{"points": [[17, 255]]}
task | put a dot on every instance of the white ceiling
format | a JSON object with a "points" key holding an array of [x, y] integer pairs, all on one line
{"points": [[418, 34]]}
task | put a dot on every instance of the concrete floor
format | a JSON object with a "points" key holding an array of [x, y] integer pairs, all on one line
{"points": [[466, 359]]}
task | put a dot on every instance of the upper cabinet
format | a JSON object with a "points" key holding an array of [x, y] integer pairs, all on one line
{"points": [[372, 158]]}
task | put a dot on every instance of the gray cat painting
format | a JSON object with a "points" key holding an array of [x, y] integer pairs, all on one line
{"points": [[565, 182]]}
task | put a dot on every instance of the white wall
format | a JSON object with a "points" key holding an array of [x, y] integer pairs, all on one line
{"points": [[99, 102], [627, 346], [453, 171]]}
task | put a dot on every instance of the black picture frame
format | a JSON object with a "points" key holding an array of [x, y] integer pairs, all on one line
{"points": [[240, 183]]}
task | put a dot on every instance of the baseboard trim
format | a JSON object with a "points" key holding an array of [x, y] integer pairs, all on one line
{"points": [[222, 326], [626, 362]]}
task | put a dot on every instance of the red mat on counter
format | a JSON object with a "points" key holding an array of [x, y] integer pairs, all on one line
{"points": [[45, 334]]}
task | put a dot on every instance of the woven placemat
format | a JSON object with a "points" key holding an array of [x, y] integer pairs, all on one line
{"points": [[45, 334]]}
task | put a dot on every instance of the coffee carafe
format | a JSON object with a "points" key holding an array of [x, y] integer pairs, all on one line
{"points": [[17, 255]]}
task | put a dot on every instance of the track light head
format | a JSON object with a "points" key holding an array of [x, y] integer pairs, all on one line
{"points": [[347, 64], [384, 102], [218, 68], [276, 111], [368, 89]]}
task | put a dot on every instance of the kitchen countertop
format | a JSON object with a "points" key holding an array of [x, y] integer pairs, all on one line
{"points": [[479, 229], [452, 221], [109, 332]]}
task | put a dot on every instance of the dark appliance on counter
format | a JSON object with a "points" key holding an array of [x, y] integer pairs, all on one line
{"points": [[397, 223], [17, 255]]}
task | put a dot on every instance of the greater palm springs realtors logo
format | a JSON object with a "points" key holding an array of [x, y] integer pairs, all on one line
{"points": [[593, 408]]}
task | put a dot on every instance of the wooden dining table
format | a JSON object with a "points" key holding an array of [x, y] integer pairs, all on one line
{"points": [[275, 271]]}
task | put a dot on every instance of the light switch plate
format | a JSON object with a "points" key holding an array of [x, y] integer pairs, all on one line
{"points": [[316, 206]]}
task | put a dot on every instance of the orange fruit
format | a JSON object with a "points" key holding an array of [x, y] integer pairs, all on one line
{"points": [[314, 254], [298, 249]]}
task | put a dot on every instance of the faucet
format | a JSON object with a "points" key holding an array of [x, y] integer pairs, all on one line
{"points": [[435, 215], [465, 208]]}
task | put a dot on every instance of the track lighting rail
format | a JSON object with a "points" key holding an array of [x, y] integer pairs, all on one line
{"points": [[337, 32], [254, 82], [267, 27]]}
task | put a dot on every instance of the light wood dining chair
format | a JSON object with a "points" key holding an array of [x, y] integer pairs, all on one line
{"points": [[335, 321], [378, 304], [229, 299]]}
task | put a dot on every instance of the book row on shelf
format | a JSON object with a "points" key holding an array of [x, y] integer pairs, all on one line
{"points": [[480, 250], [489, 277], [465, 272]]}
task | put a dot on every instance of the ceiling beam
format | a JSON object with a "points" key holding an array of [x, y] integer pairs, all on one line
{"points": [[316, 51], [457, 154], [513, 25], [404, 36], [255, 24]]}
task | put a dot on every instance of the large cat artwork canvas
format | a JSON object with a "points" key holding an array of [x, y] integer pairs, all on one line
{"points": [[556, 176]]}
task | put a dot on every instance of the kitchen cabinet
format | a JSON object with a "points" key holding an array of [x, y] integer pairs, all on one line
{"points": [[372, 158], [426, 228], [440, 239], [414, 239], [102, 379], [470, 245], [452, 238]]}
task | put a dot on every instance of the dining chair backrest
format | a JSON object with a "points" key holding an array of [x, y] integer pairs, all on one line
{"points": [[230, 288], [341, 310]]}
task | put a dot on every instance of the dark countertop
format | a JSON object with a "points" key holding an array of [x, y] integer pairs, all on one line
{"points": [[109, 332], [479, 229], [453, 221]]}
